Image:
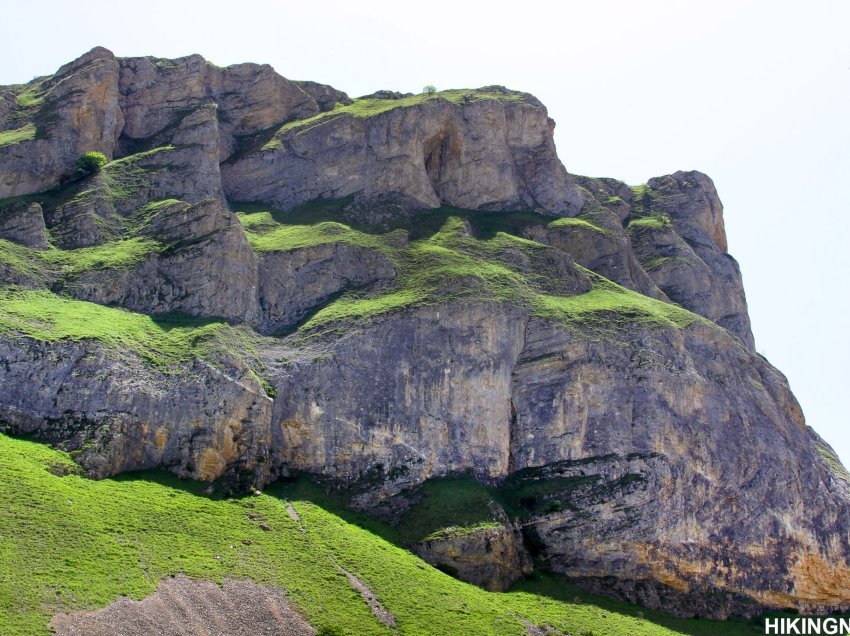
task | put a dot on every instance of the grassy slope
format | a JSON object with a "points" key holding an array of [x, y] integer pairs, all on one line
{"points": [[578, 223], [52, 262], [444, 262], [162, 341], [70, 543], [120, 536], [24, 133]]}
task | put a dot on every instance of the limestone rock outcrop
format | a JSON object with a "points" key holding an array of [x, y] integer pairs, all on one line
{"points": [[491, 557], [225, 299], [292, 283], [494, 153], [116, 413], [71, 112], [199, 264]]}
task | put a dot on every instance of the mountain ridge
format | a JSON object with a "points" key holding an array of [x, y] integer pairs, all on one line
{"points": [[268, 278]]}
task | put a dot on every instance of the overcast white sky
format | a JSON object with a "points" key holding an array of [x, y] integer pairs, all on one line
{"points": [[754, 93]]}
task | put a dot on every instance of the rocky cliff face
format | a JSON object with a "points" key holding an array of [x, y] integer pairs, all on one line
{"points": [[270, 278]]}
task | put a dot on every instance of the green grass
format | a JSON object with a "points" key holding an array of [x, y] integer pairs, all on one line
{"points": [[578, 224], [640, 191], [162, 341], [24, 260], [448, 506], [68, 543], [121, 180], [467, 259], [833, 462], [608, 305], [120, 254], [422, 224], [446, 267], [655, 262], [649, 223], [455, 255], [644, 217], [451, 532], [453, 266], [45, 265], [353, 307], [372, 107], [31, 97], [24, 133], [264, 237]]}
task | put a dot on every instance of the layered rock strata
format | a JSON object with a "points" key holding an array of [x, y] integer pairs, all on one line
{"points": [[586, 339]]}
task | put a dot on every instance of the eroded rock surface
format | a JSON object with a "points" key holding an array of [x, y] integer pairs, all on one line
{"points": [[292, 283], [117, 414], [670, 464], [71, 112], [24, 223], [493, 558], [201, 265], [685, 252], [484, 153]]}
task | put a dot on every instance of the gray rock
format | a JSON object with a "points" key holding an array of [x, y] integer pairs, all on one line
{"points": [[24, 224], [327, 97], [671, 467], [291, 283], [73, 111], [599, 243], [183, 606], [493, 558], [486, 153], [248, 98], [204, 268], [117, 413], [685, 254], [666, 499], [441, 405]]}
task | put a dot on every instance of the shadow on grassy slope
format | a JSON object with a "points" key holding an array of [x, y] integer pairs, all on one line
{"points": [[420, 224], [464, 501]]}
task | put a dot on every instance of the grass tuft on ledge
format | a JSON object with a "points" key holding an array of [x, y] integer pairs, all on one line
{"points": [[163, 341]]}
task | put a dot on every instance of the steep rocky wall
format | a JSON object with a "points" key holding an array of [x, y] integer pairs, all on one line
{"points": [[74, 111], [118, 414], [670, 242], [691, 263], [292, 283], [202, 266], [671, 464], [441, 405], [491, 152], [653, 419], [484, 153]]}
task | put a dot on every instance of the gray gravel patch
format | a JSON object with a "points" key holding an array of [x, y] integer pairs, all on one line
{"points": [[186, 607]]}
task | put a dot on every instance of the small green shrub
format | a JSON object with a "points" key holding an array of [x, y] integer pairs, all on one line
{"points": [[430, 89], [90, 162]]}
